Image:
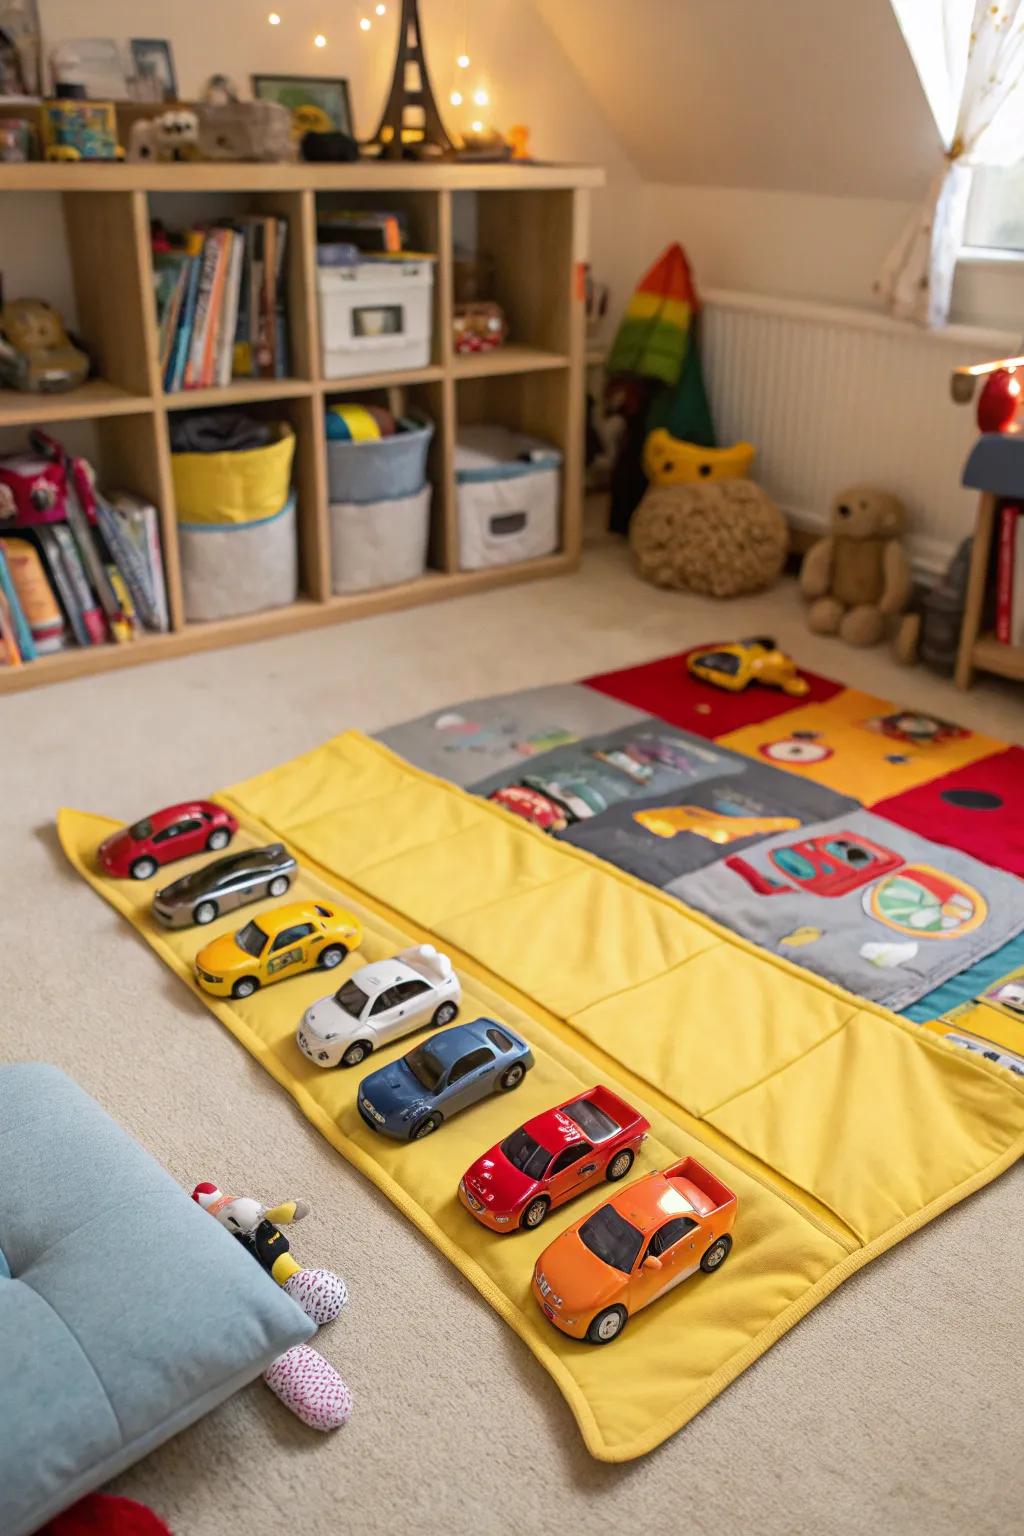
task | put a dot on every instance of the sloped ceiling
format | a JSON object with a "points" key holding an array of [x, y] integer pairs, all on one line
{"points": [[794, 95]]}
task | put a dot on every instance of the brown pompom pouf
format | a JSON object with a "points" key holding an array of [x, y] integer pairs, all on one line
{"points": [[722, 538]]}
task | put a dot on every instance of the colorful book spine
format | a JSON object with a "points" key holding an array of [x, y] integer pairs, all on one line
{"points": [[229, 322], [36, 596], [181, 351], [93, 621], [221, 239], [1017, 580], [201, 321], [22, 631]]}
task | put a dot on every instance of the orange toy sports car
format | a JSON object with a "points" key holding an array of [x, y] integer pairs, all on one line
{"points": [[631, 1250]]}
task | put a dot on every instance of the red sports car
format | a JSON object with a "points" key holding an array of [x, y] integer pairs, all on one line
{"points": [[173, 833], [552, 1158], [532, 806]]}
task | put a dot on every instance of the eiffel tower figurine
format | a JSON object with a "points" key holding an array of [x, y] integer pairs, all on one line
{"points": [[411, 124]]}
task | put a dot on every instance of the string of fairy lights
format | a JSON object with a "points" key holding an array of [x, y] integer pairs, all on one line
{"points": [[460, 95]]}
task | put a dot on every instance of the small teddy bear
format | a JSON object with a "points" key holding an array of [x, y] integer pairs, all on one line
{"points": [[858, 575], [303, 1380], [36, 352]]}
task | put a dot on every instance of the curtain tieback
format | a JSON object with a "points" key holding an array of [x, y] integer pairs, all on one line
{"points": [[955, 150]]}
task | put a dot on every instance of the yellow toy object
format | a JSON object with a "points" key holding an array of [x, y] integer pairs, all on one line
{"points": [[282, 942], [670, 820], [735, 665], [669, 461]]}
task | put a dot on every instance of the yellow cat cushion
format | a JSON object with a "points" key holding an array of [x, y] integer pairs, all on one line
{"points": [[669, 461]]}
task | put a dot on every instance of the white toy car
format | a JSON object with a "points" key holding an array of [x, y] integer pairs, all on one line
{"points": [[378, 1004]]}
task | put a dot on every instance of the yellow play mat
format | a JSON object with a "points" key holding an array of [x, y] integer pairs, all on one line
{"points": [[841, 1127]]}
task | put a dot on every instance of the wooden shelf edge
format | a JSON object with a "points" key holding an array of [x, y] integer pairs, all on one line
{"points": [[89, 401], [435, 586], [505, 360], [991, 655], [384, 380], [236, 176], [239, 392]]}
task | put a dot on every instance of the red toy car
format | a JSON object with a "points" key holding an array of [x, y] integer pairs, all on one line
{"points": [[552, 1158], [532, 806], [177, 831]]}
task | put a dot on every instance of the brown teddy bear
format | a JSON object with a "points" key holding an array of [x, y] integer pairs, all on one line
{"points": [[857, 576], [35, 351]]}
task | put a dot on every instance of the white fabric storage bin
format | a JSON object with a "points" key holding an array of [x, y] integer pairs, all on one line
{"points": [[375, 317], [508, 489], [229, 569], [380, 543]]}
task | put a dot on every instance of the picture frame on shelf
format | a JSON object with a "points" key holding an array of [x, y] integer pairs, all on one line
{"points": [[95, 63], [324, 101], [19, 26], [153, 67]]}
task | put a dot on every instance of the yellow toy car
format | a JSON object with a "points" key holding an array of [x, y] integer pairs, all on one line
{"points": [[742, 662], [283, 941]]}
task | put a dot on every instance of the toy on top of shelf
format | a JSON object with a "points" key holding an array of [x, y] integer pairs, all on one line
{"points": [[518, 137], [736, 664], [380, 1003], [631, 1250], [176, 832], [281, 942], [75, 129], [319, 1292], [669, 461], [36, 352], [858, 576], [553, 1158], [169, 137], [446, 1074], [225, 884]]}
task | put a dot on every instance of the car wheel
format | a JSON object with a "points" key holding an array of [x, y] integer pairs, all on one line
{"points": [[144, 868], [620, 1165], [278, 885], [607, 1325], [425, 1127], [333, 955], [534, 1213], [511, 1077], [205, 912], [245, 986], [714, 1257], [443, 1015], [218, 838], [357, 1052]]}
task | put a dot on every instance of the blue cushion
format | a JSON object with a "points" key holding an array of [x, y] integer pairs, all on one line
{"points": [[128, 1313]]}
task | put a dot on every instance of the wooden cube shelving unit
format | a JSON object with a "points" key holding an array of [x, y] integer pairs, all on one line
{"points": [[531, 219]]}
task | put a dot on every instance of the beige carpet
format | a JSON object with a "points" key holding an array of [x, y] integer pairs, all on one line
{"points": [[897, 1406]]}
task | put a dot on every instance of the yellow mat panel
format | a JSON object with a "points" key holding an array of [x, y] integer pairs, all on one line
{"points": [[840, 1127]]}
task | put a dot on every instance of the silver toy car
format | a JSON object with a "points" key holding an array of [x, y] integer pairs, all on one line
{"points": [[225, 884]]}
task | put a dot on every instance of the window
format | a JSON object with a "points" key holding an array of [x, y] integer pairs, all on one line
{"points": [[526, 1154], [292, 936], [571, 1155], [141, 830], [174, 830], [593, 1122], [324, 911], [995, 213], [251, 938], [500, 1039], [667, 1236], [405, 991], [612, 1238], [384, 1000], [425, 1067], [470, 1063]]}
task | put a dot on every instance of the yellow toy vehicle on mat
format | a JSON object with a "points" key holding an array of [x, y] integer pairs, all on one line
{"points": [[280, 942], [740, 662]]}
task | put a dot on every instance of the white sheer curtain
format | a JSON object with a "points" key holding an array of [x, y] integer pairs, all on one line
{"points": [[970, 57]]}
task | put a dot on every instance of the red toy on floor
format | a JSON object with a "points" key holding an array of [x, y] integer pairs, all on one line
{"points": [[102, 1514]]}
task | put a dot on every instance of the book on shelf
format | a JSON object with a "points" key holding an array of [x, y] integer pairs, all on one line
{"points": [[1009, 627], [221, 297]]}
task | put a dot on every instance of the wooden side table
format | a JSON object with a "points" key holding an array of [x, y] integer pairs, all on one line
{"points": [[995, 467]]}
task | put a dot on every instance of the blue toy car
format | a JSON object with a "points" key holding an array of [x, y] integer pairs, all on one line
{"points": [[445, 1074]]}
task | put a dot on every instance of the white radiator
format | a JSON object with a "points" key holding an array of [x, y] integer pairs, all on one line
{"points": [[833, 396]]}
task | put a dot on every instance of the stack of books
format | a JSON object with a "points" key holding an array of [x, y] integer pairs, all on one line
{"points": [[81, 583], [221, 302], [1010, 574]]}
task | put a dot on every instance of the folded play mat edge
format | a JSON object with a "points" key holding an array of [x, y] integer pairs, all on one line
{"points": [[841, 1128]]}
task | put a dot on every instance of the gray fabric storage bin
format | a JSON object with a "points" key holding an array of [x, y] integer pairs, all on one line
{"points": [[382, 469], [508, 491], [229, 569], [380, 544]]}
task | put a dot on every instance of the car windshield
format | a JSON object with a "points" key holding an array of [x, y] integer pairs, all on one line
{"points": [[593, 1122], [526, 1154], [612, 1238], [352, 998], [251, 938], [425, 1067], [141, 829]]}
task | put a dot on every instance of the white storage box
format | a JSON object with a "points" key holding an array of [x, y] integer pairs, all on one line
{"points": [[233, 568], [508, 490], [379, 544], [375, 317]]}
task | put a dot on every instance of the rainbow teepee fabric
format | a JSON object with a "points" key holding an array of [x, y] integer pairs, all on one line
{"points": [[654, 334]]}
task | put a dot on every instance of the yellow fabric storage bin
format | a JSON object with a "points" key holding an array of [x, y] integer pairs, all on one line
{"points": [[234, 487]]}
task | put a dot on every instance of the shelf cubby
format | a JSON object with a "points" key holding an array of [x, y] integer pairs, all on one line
{"points": [[532, 219]]}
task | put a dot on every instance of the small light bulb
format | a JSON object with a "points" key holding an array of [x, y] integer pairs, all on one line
{"points": [[477, 127], [364, 23], [463, 61], [456, 98], [481, 98], [380, 9], [274, 19]]}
